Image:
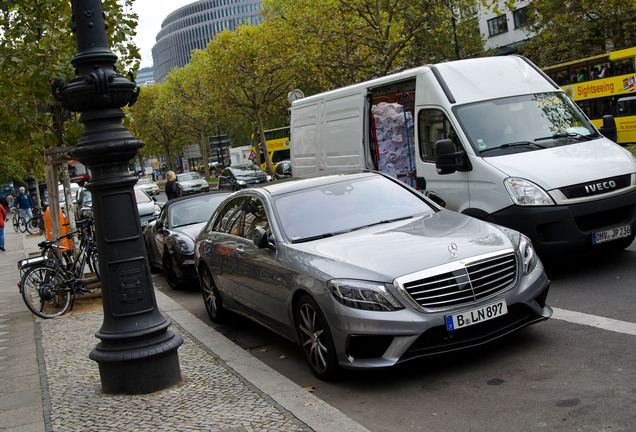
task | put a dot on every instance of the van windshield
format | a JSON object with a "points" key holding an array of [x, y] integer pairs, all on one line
{"points": [[524, 123]]}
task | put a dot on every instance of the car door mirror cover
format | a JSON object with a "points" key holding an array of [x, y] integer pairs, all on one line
{"points": [[260, 238]]}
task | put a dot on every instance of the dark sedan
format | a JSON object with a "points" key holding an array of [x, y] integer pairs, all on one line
{"points": [[363, 271], [170, 239], [242, 176]]}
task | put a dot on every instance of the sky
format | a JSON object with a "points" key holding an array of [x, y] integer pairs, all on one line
{"points": [[151, 13]]}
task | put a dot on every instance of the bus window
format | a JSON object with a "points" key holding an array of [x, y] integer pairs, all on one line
{"points": [[624, 66], [626, 106]]}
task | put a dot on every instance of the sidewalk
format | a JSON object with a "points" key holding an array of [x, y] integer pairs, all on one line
{"points": [[48, 383]]}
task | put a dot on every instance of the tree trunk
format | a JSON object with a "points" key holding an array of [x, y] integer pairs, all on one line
{"points": [[261, 134]]}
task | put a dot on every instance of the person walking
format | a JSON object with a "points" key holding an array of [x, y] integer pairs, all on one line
{"points": [[3, 218], [9, 202], [24, 204], [172, 188]]}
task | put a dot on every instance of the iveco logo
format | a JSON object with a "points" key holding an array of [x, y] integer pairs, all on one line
{"points": [[602, 186], [452, 248]]}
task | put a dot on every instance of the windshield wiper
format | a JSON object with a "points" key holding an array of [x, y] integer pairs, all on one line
{"points": [[515, 144], [335, 233], [564, 134]]}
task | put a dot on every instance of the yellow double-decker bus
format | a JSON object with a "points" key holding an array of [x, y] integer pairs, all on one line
{"points": [[277, 146], [601, 85]]}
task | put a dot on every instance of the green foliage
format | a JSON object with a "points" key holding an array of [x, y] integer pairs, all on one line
{"points": [[36, 47], [566, 31]]}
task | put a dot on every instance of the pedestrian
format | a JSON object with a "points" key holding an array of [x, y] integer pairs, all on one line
{"points": [[172, 188], [3, 218], [24, 204], [9, 202]]}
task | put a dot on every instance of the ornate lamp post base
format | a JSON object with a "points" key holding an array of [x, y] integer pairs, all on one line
{"points": [[137, 353]]}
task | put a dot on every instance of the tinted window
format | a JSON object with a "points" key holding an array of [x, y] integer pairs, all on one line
{"points": [[434, 126], [255, 215], [230, 218]]}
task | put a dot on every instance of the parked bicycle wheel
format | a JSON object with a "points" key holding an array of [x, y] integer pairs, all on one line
{"points": [[16, 221], [93, 265], [44, 291], [22, 223], [33, 226]]}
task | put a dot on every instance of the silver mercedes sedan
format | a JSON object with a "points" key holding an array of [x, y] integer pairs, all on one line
{"points": [[365, 272]]}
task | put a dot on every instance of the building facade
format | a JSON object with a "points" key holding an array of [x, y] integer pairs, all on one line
{"points": [[505, 29], [193, 26], [145, 76]]}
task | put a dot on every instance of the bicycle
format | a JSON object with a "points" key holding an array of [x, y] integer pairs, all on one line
{"points": [[50, 282], [32, 226]]}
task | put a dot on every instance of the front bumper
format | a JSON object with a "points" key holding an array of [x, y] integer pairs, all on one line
{"points": [[366, 339], [559, 230]]}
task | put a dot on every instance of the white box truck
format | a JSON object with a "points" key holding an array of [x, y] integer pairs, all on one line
{"points": [[493, 138], [240, 155]]}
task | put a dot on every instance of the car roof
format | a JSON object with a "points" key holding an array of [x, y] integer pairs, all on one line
{"points": [[294, 184], [199, 195]]}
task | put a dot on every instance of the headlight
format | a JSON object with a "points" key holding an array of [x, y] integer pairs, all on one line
{"points": [[365, 295], [525, 193], [185, 245], [523, 246], [240, 182], [269, 178]]}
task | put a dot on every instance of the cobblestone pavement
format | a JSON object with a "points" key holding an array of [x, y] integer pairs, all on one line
{"points": [[48, 383], [210, 397]]}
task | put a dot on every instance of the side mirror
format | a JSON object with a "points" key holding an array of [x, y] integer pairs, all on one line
{"points": [[447, 160], [609, 128], [259, 237]]}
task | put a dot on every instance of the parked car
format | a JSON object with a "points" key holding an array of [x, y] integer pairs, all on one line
{"points": [[170, 239], [147, 207], [283, 170], [242, 176], [62, 198], [147, 185], [363, 271], [192, 182]]}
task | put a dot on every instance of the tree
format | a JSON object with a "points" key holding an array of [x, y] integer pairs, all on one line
{"points": [[36, 47], [251, 71], [151, 122], [574, 29], [364, 39], [190, 99]]}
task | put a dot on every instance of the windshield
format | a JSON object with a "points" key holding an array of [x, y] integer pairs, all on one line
{"points": [[524, 122], [143, 181], [345, 206], [141, 196], [249, 170], [194, 211], [189, 176]]}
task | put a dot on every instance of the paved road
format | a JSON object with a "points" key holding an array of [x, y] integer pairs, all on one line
{"points": [[573, 372]]}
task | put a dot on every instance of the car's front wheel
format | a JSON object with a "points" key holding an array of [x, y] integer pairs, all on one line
{"points": [[211, 297], [169, 271], [315, 338]]}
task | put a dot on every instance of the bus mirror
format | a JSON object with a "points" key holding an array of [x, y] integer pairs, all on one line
{"points": [[609, 128]]}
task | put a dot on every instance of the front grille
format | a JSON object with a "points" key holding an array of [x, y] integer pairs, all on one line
{"points": [[466, 284], [596, 187]]}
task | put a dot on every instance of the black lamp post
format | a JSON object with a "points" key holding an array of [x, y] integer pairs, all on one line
{"points": [[137, 353]]}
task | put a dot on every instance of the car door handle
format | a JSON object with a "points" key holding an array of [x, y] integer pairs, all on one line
{"points": [[240, 249]]}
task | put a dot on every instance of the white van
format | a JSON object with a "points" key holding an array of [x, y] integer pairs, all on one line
{"points": [[493, 137]]}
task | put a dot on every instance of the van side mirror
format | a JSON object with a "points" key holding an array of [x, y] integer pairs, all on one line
{"points": [[609, 128], [447, 160]]}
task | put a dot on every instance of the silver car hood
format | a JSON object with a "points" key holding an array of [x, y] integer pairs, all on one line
{"points": [[190, 230], [385, 252]]}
